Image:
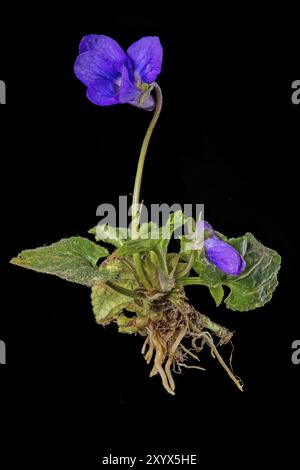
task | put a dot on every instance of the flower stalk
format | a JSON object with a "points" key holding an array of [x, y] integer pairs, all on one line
{"points": [[136, 206], [141, 162], [182, 273]]}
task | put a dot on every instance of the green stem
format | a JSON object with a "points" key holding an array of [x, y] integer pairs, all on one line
{"points": [[131, 267], [188, 267], [175, 265], [137, 186], [190, 281], [141, 163], [161, 259], [140, 272], [121, 290], [220, 331]]}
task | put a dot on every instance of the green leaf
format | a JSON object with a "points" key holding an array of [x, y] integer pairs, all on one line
{"points": [[209, 274], [74, 259], [109, 304], [217, 294], [149, 230], [113, 235], [137, 246], [176, 220], [150, 235], [150, 264], [255, 286]]}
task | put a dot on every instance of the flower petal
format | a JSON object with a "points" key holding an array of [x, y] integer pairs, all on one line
{"points": [[129, 93], [102, 92], [148, 104], [224, 256], [203, 230], [92, 65], [203, 226], [104, 44], [146, 55]]}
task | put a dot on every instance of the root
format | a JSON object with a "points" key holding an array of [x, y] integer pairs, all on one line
{"points": [[159, 360], [171, 353], [215, 353], [190, 367], [187, 351], [164, 341], [146, 342]]}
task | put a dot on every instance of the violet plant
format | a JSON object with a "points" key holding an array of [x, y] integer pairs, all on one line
{"points": [[140, 285]]}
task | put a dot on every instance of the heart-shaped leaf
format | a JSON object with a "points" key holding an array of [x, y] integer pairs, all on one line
{"points": [[74, 259], [254, 287]]}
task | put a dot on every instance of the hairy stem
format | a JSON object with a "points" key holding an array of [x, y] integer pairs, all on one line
{"points": [[220, 331], [122, 290], [137, 186], [161, 259], [141, 162], [190, 281], [188, 267]]}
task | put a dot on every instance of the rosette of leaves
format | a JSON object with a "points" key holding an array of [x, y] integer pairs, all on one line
{"points": [[161, 311]]}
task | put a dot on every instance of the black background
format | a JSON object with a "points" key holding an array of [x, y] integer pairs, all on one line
{"points": [[228, 137]]}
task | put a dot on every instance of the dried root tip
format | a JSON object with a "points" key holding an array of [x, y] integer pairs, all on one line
{"points": [[148, 355], [169, 374], [153, 372], [190, 367], [158, 344], [158, 361], [171, 354], [215, 353], [146, 342]]}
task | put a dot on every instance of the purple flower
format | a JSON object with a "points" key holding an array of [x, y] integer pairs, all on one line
{"points": [[220, 253], [113, 76]]}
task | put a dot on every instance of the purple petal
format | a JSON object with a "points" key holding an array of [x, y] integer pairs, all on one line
{"points": [[224, 256], [106, 92], [104, 44], [148, 104], [92, 65], [146, 55], [128, 92], [102, 92], [202, 226], [203, 231]]}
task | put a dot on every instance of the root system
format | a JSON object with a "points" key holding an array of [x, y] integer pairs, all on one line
{"points": [[175, 335]]}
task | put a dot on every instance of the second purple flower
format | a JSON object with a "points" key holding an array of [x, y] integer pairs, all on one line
{"points": [[220, 253]]}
